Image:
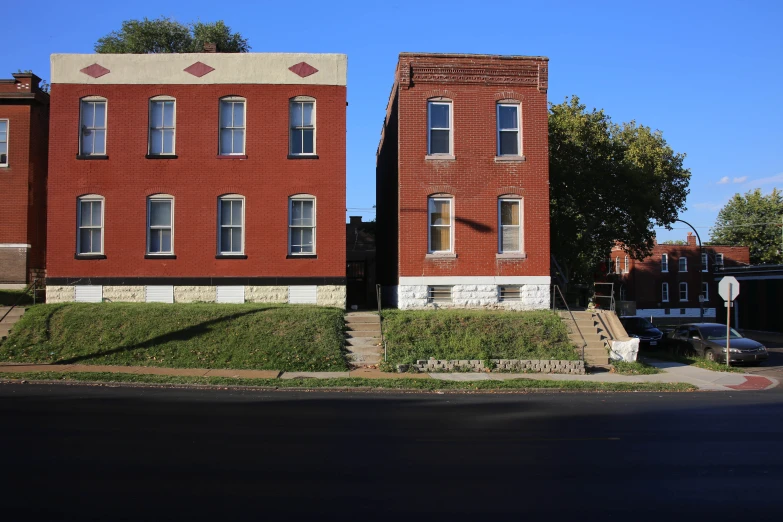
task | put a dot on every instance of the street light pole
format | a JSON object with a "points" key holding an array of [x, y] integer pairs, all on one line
{"points": [[701, 271]]}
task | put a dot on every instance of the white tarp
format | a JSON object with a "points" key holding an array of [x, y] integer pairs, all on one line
{"points": [[624, 350]]}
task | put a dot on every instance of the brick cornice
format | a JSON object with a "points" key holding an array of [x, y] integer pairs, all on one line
{"points": [[517, 74]]}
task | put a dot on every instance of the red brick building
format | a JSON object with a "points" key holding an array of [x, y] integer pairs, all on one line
{"points": [[24, 136], [669, 283], [463, 183], [198, 177]]}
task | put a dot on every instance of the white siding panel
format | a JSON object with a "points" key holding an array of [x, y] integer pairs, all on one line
{"points": [[302, 294], [88, 294], [230, 294], [160, 294]]}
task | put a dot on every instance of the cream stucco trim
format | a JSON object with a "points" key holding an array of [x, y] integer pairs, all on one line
{"points": [[230, 68]]}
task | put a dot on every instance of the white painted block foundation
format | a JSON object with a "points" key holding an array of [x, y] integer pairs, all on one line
{"points": [[484, 292]]}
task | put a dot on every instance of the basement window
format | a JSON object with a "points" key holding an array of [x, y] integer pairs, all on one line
{"points": [[439, 294], [510, 293]]}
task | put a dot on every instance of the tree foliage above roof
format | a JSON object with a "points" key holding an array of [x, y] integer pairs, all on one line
{"points": [[752, 220], [164, 35]]}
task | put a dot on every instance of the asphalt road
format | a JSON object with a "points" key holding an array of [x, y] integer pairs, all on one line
{"points": [[100, 453]]}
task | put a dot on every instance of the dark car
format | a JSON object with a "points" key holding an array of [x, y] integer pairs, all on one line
{"points": [[709, 341], [644, 330]]}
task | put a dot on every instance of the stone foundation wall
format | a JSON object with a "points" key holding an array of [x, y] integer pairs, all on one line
{"points": [[59, 294], [124, 294], [533, 297], [266, 294], [331, 295], [502, 365], [195, 294]]}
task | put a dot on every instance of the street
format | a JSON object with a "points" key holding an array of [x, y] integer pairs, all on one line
{"points": [[105, 453]]}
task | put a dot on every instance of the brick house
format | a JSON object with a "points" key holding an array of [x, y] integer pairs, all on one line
{"points": [[668, 284], [198, 177], [24, 137], [463, 183]]}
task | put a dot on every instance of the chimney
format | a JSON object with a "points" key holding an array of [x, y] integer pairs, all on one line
{"points": [[210, 47], [356, 220], [27, 81], [691, 239]]}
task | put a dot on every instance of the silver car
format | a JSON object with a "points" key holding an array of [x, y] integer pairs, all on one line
{"points": [[709, 341]]}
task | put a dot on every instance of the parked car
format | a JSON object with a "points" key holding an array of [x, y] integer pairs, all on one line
{"points": [[709, 341], [644, 330]]}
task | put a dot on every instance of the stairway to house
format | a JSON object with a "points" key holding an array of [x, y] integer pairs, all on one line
{"points": [[7, 323], [596, 329], [363, 338]]}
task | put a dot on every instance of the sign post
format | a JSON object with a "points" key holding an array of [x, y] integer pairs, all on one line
{"points": [[728, 288]]}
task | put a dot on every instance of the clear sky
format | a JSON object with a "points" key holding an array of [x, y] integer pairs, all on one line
{"points": [[708, 74]]}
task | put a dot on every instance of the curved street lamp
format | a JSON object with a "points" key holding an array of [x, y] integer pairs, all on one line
{"points": [[701, 271]]}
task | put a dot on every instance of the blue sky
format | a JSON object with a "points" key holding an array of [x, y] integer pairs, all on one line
{"points": [[707, 74]]}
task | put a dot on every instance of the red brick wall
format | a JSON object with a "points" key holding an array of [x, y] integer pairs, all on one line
{"points": [[196, 179], [15, 177], [474, 179]]}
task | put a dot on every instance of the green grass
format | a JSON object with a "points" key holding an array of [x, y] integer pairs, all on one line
{"points": [[634, 368], [479, 334], [699, 362], [10, 297], [249, 336], [356, 383]]}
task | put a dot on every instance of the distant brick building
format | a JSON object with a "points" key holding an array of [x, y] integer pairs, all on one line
{"points": [[669, 283], [463, 183], [198, 177], [24, 135]]}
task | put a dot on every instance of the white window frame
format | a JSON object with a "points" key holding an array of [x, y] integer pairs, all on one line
{"points": [[82, 126], [450, 128], [682, 264], [173, 128], [79, 226], [705, 262], [430, 209], [521, 226], [150, 199], [681, 289], [221, 199], [518, 130], [233, 100], [436, 293], [705, 291], [719, 259], [7, 134], [664, 262], [626, 268], [617, 265], [292, 129], [665, 292], [291, 227]]}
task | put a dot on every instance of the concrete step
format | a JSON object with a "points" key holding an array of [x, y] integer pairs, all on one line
{"points": [[16, 312], [590, 338], [366, 350], [365, 327], [365, 360], [362, 341], [362, 335], [362, 320]]}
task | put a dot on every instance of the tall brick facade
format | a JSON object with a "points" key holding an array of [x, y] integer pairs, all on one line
{"points": [[462, 134], [24, 135], [264, 173]]}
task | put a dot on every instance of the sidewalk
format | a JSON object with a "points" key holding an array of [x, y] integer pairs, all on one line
{"points": [[672, 373]]}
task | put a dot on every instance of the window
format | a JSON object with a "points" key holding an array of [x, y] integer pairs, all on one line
{"points": [[440, 229], [617, 264], [438, 294], [510, 225], [439, 124], [510, 293], [705, 291], [665, 292], [3, 143], [302, 132], [508, 129], [93, 125], [683, 291], [301, 225], [683, 264], [664, 262], [231, 217], [160, 224], [232, 126], [719, 259], [162, 125], [704, 263], [90, 223], [625, 269]]}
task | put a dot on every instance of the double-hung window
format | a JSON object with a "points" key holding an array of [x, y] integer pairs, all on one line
{"points": [[510, 211], [89, 239], [231, 225], [160, 225], [508, 129], [439, 124], [718, 259], [617, 265], [625, 269], [705, 291], [665, 292], [440, 225], [301, 225], [683, 264], [302, 132], [683, 291], [92, 138], [162, 126], [3, 143], [705, 263], [664, 262], [232, 126]]}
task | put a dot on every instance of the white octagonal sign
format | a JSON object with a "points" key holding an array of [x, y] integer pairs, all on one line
{"points": [[723, 288]]}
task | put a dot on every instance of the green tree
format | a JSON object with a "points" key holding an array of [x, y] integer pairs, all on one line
{"points": [[608, 183], [164, 35], [752, 220]]}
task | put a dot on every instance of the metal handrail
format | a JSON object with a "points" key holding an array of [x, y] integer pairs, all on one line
{"points": [[612, 303], [30, 286], [579, 330], [380, 318]]}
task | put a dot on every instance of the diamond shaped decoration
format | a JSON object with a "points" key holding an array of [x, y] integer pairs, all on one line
{"points": [[95, 70], [303, 69], [199, 69]]}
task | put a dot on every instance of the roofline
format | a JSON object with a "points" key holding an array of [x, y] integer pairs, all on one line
{"points": [[468, 55]]}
